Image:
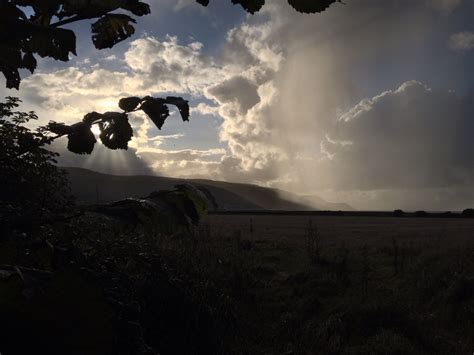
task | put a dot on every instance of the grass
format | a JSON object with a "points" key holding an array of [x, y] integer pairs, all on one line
{"points": [[399, 296], [249, 286]]}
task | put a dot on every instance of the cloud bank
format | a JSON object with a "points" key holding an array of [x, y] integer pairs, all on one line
{"points": [[339, 104]]}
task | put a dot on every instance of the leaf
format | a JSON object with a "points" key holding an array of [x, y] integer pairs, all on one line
{"points": [[89, 8], [251, 6], [25, 37], [11, 12], [116, 131], [181, 104], [99, 8], [91, 117], [306, 6], [12, 76], [137, 8], [45, 7], [10, 62], [81, 139], [111, 29], [27, 142], [311, 6], [29, 62], [156, 109], [52, 42], [129, 104], [58, 128]]}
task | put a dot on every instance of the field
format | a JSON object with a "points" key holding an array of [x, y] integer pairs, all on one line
{"points": [[351, 230], [319, 284], [242, 284]]}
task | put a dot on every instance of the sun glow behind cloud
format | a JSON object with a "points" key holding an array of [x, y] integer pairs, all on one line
{"points": [[108, 104], [267, 104]]}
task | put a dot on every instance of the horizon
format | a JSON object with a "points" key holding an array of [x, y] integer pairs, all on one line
{"points": [[366, 104], [281, 195]]}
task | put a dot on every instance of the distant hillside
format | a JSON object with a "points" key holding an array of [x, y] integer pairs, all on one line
{"points": [[274, 199], [313, 200], [92, 187]]}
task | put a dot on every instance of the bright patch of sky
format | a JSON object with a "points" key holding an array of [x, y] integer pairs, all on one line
{"points": [[368, 103]]}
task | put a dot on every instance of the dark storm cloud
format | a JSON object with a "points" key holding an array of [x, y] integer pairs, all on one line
{"points": [[412, 137]]}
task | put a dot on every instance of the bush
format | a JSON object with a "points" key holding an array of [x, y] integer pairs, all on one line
{"points": [[421, 214], [33, 187], [468, 212], [398, 213]]}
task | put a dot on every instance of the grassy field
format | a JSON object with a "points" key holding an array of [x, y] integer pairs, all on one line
{"points": [[241, 284], [374, 231], [309, 285]]}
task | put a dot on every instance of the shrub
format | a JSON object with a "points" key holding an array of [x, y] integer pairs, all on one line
{"points": [[33, 187], [398, 213], [468, 212], [421, 214]]}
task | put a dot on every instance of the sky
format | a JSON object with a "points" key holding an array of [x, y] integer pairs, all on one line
{"points": [[369, 103]]}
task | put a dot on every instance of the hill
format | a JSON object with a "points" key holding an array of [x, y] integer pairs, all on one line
{"points": [[92, 187]]}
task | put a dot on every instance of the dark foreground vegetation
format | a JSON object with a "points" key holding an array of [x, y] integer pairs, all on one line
{"points": [[151, 277], [93, 286]]}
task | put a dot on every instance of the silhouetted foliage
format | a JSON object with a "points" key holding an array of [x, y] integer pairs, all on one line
{"points": [[398, 213], [468, 212], [305, 6], [32, 185], [23, 37], [52, 274], [115, 128], [421, 214]]}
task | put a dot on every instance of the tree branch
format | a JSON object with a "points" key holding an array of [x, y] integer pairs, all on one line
{"points": [[69, 20]]}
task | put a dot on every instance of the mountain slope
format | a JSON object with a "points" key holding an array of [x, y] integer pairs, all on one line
{"points": [[92, 187]]}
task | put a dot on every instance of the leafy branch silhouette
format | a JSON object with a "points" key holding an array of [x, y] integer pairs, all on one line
{"points": [[305, 6], [22, 37], [41, 34], [115, 128]]}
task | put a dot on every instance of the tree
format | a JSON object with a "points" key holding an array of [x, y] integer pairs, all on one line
{"points": [[32, 185], [43, 34], [21, 38]]}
